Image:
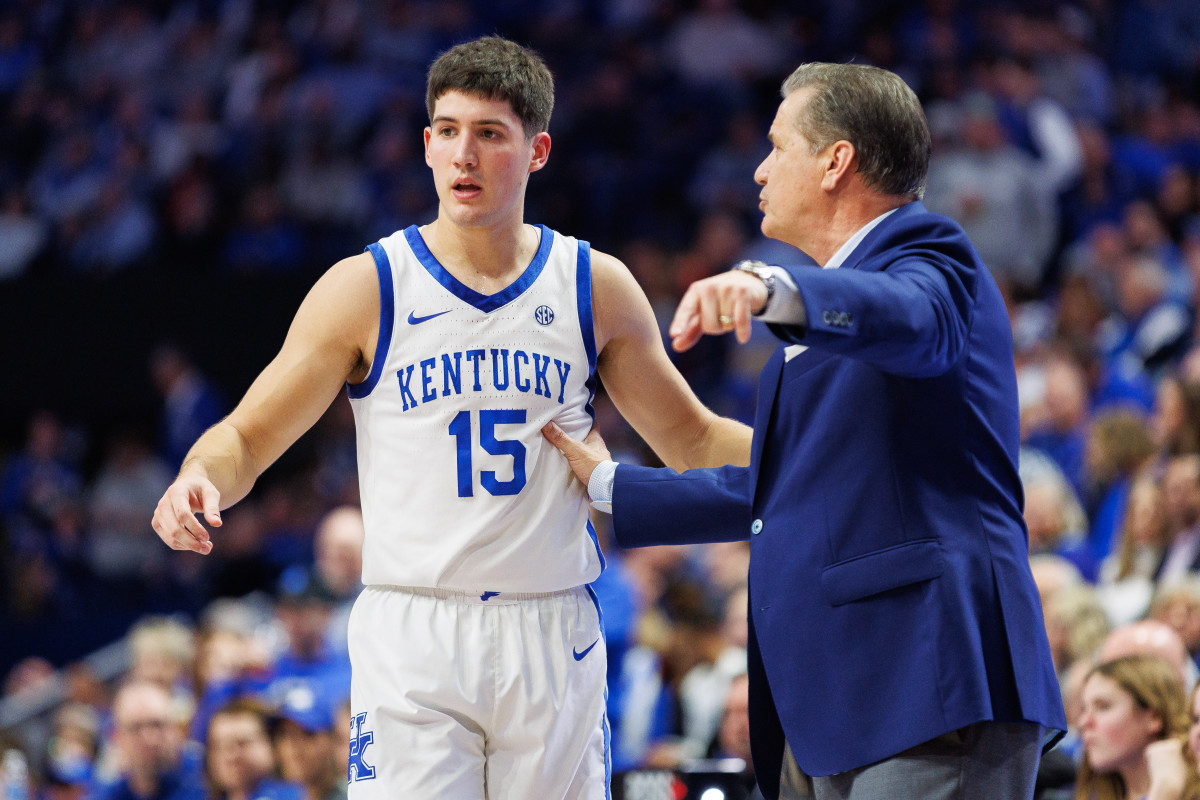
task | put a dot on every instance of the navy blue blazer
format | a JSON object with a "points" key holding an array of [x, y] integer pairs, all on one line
{"points": [[890, 594]]}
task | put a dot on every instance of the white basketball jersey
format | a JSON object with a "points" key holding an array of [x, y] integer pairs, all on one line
{"points": [[459, 488]]}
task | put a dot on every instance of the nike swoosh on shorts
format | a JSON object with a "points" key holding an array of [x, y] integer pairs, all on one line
{"points": [[578, 655]]}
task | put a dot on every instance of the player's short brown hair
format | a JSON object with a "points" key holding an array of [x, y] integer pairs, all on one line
{"points": [[496, 69]]}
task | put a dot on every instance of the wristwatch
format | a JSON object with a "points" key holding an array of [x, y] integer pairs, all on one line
{"points": [[764, 273]]}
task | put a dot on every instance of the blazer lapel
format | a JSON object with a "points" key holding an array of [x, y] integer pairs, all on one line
{"points": [[871, 242], [768, 384], [768, 387]]}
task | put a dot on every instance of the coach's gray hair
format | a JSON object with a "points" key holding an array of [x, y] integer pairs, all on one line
{"points": [[875, 111]]}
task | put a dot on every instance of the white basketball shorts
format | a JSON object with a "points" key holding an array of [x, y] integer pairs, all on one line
{"points": [[486, 696]]}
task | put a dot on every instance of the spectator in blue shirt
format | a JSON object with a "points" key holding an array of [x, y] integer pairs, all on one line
{"points": [[191, 404], [156, 763], [304, 609]]}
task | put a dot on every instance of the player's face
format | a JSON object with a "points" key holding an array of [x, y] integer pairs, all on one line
{"points": [[790, 176], [481, 159]]}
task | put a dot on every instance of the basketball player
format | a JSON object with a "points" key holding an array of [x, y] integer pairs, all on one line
{"points": [[474, 645]]}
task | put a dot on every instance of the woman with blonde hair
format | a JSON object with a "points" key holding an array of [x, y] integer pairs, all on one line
{"points": [[1076, 625], [1194, 730], [1133, 726]]}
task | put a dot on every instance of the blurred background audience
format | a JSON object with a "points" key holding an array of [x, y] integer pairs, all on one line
{"points": [[174, 177]]}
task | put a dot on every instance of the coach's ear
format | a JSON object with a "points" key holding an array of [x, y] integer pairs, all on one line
{"points": [[841, 158], [541, 151]]}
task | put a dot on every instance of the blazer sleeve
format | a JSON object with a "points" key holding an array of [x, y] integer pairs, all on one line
{"points": [[907, 310], [661, 506]]}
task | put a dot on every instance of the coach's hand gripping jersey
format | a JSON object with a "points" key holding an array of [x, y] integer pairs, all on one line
{"points": [[459, 488]]}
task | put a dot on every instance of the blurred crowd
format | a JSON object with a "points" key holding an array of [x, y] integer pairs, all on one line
{"points": [[237, 136]]}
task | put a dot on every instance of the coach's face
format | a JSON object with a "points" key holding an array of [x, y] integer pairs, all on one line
{"points": [[481, 159], [791, 197]]}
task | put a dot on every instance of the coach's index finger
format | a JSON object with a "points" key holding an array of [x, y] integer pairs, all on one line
{"points": [[741, 319], [686, 327]]}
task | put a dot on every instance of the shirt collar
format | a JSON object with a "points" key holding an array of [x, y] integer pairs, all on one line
{"points": [[854, 241]]}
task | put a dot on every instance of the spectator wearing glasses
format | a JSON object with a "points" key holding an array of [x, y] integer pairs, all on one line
{"points": [[148, 737]]}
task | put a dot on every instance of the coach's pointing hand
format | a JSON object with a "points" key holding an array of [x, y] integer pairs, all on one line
{"points": [[717, 305], [175, 519], [582, 456]]}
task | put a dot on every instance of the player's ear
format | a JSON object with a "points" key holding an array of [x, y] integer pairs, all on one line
{"points": [[541, 151], [428, 135]]}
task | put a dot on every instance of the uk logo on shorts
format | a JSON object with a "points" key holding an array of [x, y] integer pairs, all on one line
{"points": [[359, 769], [544, 315]]}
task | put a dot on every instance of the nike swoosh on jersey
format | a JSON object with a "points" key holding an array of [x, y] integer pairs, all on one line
{"points": [[578, 655], [413, 319]]}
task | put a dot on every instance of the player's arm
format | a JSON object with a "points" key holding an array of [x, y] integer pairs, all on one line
{"points": [[644, 384], [326, 346]]}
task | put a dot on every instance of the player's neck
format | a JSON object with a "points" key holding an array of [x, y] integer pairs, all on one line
{"points": [[482, 254]]}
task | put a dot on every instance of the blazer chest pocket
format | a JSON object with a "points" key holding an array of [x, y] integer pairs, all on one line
{"points": [[881, 571]]}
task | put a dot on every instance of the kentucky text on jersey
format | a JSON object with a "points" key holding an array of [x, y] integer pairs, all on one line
{"points": [[493, 368]]}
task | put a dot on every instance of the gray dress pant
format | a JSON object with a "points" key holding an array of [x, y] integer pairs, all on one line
{"points": [[984, 761]]}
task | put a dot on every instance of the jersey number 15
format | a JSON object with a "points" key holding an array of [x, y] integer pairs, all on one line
{"points": [[460, 429]]}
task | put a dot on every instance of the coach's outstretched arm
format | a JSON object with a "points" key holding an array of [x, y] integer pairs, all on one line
{"points": [[646, 387], [326, 347]]}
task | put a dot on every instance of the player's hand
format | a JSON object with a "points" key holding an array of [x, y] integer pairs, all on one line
{"points": [[716, 305], [175, 519], [1167, 768], [582, 456]]}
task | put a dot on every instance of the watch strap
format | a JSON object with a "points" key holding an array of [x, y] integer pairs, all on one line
{"points": [[764, 273]]}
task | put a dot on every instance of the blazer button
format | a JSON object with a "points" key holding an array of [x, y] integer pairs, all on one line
{"points": [[756, 527]]}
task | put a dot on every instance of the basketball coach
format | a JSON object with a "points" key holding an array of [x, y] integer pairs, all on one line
{"points": [[897, 648]]}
